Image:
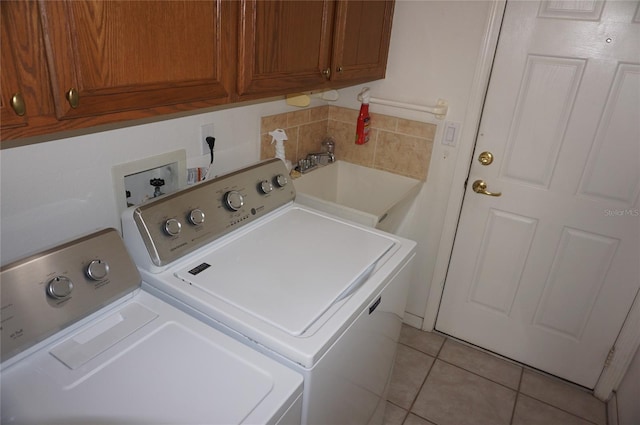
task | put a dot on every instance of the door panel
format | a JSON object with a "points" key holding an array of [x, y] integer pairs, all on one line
{"points": [[546, 273]]}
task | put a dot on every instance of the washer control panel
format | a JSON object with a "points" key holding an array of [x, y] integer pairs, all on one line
{"points": [[177, 224], [51, 290]]}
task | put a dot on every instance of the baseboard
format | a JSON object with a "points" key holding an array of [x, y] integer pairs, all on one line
{"points": [[413, 320]]}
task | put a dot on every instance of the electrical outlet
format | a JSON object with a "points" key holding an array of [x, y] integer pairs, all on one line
{"points": [[206, 131]]}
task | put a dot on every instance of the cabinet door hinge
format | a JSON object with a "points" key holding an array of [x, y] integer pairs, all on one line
{"points": [[610, 356]]}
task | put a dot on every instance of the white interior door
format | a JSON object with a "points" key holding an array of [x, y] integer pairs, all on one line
{"points": [[546, 273]]}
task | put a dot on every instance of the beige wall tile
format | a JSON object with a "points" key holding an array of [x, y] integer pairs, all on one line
{"points": [[272, 122], [346, 115], [320, 113], [396, 145], [310, 138], [384, 122], [416, 128], [268, 150], [346, 149], [297, 118], [401, 154]]}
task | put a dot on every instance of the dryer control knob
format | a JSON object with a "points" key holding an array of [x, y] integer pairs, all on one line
{"points": [[196, 217], [59, 287], [265, 187], [97, 270], [172, 227], [234, 200], [281, 180]]}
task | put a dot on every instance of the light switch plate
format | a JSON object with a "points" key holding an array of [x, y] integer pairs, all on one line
{"points": [[450, 133]]}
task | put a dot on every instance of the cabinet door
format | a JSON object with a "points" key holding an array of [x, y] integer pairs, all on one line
{"points": [[10, 83], [284, 45], [128, 55], [361, 40]]}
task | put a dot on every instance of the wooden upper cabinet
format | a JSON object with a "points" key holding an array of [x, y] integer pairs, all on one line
{"points": [[13, 110], [114, 56], [361, 40], [289, 46], [283, 45]]}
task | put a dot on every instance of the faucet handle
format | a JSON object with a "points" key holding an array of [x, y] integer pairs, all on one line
{"points": [[329, 144]]}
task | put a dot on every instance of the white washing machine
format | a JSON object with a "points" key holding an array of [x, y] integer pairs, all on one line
{"points": [[321, 295], [82, 344]]}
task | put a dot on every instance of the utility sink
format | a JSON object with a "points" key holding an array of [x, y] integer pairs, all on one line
{"points": [[365, 195]]}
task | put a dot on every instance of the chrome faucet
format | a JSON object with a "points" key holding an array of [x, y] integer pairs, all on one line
{"points": [[326, 157], [319, 158]]}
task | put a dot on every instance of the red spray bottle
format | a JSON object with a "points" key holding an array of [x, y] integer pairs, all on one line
{"points": [[364, 119]]}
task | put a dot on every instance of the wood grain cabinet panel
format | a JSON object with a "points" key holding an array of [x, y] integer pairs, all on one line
{"points": [[288, 46], [283, 45], [11, 85], [127, 55], [361, 40]]}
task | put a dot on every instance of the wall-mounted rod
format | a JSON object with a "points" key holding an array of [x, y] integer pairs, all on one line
{"points": [[439, 111]]}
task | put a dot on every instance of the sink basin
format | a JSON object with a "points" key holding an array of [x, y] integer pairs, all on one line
{"points": [[365, 195]]}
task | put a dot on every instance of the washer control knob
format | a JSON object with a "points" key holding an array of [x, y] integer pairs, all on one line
{"points": [[172, 227], [196, 217], [265, 187], [233, 200], [97, 270], [59, 287], [281, 180]]}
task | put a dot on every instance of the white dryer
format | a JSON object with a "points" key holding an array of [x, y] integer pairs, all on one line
{"points": [[83, 344], [321, 295]]}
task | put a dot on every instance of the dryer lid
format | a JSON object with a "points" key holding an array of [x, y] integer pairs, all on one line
{"points": [[290, 270]]}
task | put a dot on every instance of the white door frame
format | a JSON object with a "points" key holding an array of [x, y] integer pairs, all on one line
{"points": [[628, 340]]}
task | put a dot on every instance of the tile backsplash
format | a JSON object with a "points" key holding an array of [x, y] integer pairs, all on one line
{"points": [[395, 145]]}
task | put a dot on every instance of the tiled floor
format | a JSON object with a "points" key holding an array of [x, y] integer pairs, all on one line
{"points": [[440, 381]]}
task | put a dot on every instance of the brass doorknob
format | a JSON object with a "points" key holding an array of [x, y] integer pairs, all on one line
{"points": [[485, 158], [327, 73], [479, 186]]}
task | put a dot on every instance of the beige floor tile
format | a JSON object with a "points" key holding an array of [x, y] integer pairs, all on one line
{"points": [[409, 371], [563, 396], [427, 342], [533, 412], [453, 396], [481, 363], [416, 420], [394, 415]]}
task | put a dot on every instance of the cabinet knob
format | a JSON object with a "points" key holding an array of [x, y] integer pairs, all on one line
{"points": [[73, 97], [339, 69], [326, 72], [17, 103]]}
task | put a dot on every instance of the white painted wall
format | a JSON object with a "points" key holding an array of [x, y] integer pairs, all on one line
{"points": [[55, 191]]}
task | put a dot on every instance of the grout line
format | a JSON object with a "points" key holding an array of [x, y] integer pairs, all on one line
{"points": [[422, 386], [559, 408], [513, 412]]}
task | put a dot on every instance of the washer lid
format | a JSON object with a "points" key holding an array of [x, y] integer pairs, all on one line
{"points": [[173, 369], [290, 270]]}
